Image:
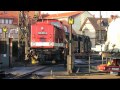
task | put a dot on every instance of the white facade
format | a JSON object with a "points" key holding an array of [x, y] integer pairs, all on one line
{"points": [[113, 36]]}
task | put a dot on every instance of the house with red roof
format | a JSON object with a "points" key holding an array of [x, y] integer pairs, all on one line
{"points": [[10, 20], [78, 16], [8, 27]]}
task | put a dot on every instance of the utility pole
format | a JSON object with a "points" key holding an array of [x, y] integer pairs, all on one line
{"points": [[101, 34], [69, 57], [10, 51], [24, 31], [18, 29], [26, 36]]}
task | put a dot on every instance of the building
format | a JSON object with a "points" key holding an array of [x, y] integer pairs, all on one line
{"points": [[9, 23], [91, 27], [79, 17]]}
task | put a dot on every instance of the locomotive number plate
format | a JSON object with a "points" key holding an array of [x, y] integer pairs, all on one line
{"points": [[42, 32], [115, 69]]}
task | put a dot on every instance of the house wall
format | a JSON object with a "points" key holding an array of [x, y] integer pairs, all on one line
{"points": [[16, 13], [90, 31], [78, 21], [4, 57]]}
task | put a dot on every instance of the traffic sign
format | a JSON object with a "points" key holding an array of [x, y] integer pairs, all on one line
{"points": [[71, 20], [4, 29]]}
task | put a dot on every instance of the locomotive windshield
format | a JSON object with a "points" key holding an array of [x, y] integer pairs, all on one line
{"points": [[57, 24]]}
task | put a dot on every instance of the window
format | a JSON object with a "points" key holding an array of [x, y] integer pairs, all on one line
{"points": [[0, 30], [6, 21], [85, 28], [57, 24], [2, 21], [65, 29], [101, 36], [10, 21]]}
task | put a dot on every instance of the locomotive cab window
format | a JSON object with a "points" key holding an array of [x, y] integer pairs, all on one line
{"points": [[65, 29], [57, 24]]}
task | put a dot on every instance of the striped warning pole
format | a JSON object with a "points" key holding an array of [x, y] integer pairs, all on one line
{"points": [[10, 52]]}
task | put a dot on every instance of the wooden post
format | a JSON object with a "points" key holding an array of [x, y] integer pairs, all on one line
{"points": [[89, 64], [69, 57], [10, 52]]}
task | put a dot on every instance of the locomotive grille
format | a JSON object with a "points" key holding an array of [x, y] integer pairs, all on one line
{"points": [[42, 39]]}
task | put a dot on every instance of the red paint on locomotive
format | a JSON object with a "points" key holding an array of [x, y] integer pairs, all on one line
{"points": [[47, 34]]}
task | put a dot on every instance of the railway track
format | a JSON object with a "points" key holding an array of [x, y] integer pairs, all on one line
{"points": [[24, 76], [39, 72], [45, 71]]}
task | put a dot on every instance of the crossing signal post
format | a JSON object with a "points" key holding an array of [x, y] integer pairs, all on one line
{"points": [[10, 51], [69, 57]]}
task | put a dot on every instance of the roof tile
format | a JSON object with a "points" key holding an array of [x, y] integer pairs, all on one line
{"points": [[62, 15], [96, 23]]}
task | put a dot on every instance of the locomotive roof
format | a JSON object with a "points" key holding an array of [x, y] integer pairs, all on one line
{"points": [[51, 20], [47, 19]]}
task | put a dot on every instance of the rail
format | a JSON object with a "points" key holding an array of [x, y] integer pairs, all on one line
{"points": [[23, 76]]}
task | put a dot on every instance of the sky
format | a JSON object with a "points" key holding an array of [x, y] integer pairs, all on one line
{"points": [[96, 13]]}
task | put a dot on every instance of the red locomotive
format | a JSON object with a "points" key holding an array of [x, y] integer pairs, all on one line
{"points": [[47, 39]]}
